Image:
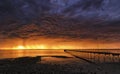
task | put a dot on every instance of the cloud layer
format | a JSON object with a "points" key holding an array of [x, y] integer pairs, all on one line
{"points": [[29, 9], [70, 19]]}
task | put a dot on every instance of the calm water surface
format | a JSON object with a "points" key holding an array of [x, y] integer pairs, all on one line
{"points": [[33, 53]]}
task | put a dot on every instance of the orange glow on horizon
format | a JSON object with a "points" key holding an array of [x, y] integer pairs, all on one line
{"points": [[45, 43], [53, 46], [42, 46]]}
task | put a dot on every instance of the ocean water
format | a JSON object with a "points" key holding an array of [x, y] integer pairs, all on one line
{"points": [[30, 53], [48, 53]]}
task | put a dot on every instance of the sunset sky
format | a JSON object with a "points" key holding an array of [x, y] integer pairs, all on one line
{"points": [[59, 24]]}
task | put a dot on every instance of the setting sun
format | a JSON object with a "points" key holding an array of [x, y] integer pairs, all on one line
{"points": [[20, 47]]}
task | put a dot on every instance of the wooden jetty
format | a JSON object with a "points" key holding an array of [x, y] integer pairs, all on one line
{"points": [[95, 55]]}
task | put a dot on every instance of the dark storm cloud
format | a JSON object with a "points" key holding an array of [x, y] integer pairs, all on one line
{"points": [[84, 5], [28, 18], [29, 9], [54, 27], [23, 9]]}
